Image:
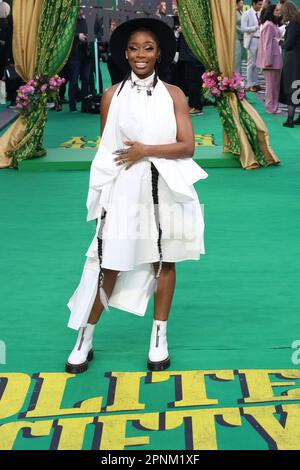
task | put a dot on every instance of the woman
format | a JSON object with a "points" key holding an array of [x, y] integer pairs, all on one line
{"points": [[239, 36], [4, 27], [291, 62], [269, 58], [142, 175]]}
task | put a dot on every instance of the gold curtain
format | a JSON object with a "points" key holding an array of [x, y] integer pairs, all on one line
{"points": [[224, 25], [26, 18]]}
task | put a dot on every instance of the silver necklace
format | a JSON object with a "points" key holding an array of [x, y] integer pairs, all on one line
{"points": [[140, 86]]}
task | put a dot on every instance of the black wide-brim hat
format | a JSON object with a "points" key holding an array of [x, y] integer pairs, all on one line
{"points": [[119, 40]]}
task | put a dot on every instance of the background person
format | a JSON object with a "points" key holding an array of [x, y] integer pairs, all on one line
{"points": [[115, 72], [4, 31], [269, 58], [251, 29], [239, 36], [193, 71], [80, 63], [291, 60]]}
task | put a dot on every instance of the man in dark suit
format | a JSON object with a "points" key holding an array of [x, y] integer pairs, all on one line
{"points": [[80, 61], [193, 71]]}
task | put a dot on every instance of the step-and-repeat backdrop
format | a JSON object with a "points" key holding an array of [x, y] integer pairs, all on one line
{"points": [[102, 12]]}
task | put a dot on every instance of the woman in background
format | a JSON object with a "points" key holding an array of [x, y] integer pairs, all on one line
{"points": [[291, 61], [269, 58]]}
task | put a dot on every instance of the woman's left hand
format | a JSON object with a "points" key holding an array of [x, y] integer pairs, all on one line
{"points": [[135, 152]]}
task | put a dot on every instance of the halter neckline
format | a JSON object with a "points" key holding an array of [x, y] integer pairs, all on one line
{"points": [[143, 82]]}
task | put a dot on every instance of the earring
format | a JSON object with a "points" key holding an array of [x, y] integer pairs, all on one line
{"points": [[126, 56]]}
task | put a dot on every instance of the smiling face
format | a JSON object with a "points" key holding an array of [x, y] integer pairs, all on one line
{"points": [[277, 12], [143, 52], [258, 6]]}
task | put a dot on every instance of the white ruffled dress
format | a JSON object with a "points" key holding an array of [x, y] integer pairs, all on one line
{"points": [[130, 231]]}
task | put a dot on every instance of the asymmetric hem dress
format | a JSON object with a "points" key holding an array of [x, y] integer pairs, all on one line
{"points": [[130, 229]]}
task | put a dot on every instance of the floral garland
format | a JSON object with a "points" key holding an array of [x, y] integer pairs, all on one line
{"points": [[215, 85], [30, 94]]}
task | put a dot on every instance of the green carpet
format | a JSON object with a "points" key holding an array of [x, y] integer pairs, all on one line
{"points": [[235, 310]]}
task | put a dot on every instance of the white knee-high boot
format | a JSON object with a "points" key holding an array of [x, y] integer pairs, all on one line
{"points": [[158, 357], [82, 353]]}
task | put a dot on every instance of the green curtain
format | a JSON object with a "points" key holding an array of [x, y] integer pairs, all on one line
{"points": [[55, 38], [197, 27]]}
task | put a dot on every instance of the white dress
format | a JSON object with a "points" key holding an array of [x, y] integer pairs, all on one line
{"points": [[130, 231]]}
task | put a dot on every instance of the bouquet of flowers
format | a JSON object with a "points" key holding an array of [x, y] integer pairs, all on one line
{"points": [[215, 85], [29, 95]]}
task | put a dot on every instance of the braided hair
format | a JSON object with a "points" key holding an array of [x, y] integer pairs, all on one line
{"points": [[155, 176], [155, 80], [124, 81]]}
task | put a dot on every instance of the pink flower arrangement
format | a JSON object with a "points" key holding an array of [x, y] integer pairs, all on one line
{"points": [[30, 94], [56, 82], [215, 85]]}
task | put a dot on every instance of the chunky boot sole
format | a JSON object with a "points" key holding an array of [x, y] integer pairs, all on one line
{"points": [[161, 365], [79, 368]]}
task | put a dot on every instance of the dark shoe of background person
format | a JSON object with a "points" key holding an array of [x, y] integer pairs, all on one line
{"points": [[289, 124], [196, 112], [58, 107], [12, 105]]}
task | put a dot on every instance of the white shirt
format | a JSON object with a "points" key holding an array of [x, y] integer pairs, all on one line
{"points": [[250, 26]]}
